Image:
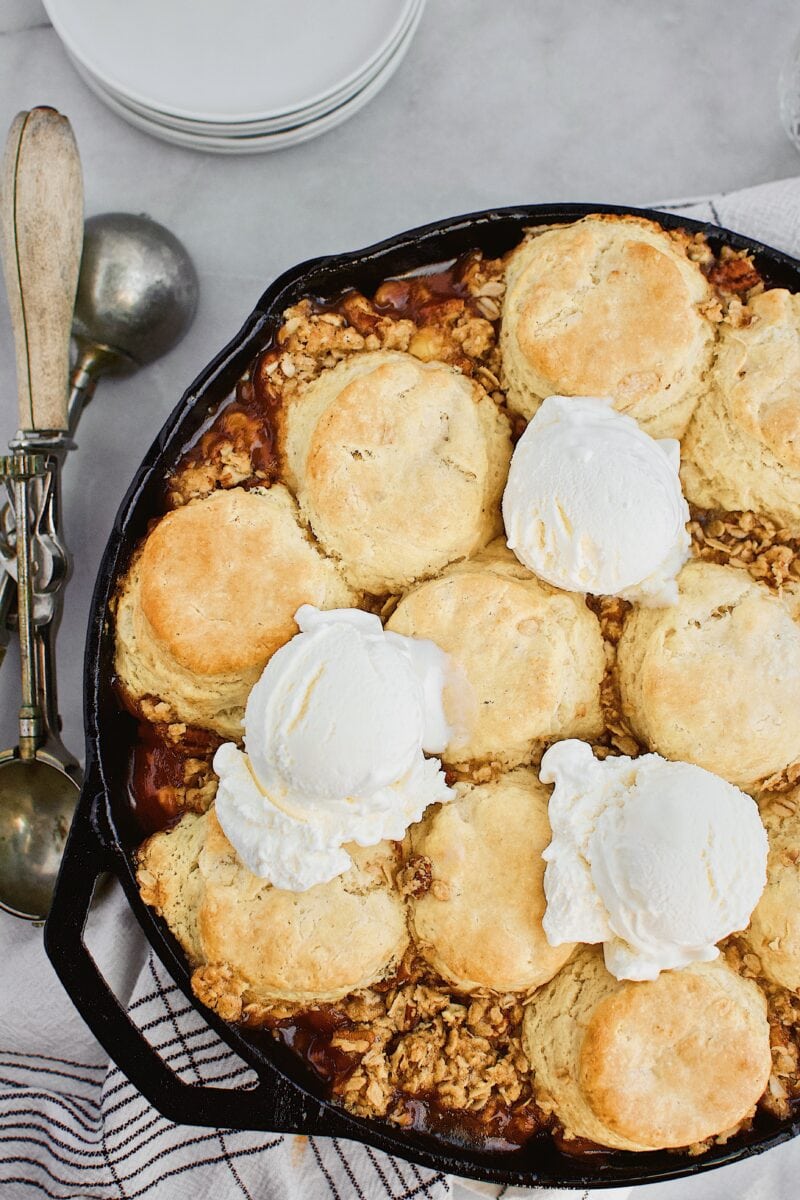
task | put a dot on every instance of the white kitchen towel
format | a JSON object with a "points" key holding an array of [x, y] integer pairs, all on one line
{"points": [[73, 1128], [770, 213]]}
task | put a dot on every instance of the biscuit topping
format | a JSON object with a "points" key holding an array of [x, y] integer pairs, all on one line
{"points": [[658, 860], [335, 731], [594, 504]]}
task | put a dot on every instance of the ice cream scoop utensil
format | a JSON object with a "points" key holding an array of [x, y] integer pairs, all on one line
{"points": [[136, 298], [41, 213]]}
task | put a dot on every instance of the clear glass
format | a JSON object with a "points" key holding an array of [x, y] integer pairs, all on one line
{"points": [[789, 94]]}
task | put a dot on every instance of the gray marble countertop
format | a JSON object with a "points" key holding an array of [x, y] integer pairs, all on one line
{"points": [[496, 103]]}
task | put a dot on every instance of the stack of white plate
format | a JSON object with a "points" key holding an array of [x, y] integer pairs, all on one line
{"points": [[235, 76]]}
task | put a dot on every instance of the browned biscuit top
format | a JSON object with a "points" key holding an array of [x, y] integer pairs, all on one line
{"points": [[480, 923], [669, 1062], [608, 308], [398, 465], [222, 578]]}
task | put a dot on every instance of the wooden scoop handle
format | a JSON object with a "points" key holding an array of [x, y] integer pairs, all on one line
{"points": [[41, 216]]}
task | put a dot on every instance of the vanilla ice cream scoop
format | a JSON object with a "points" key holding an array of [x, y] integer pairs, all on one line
{"points": [[657, 860], [594, 504], [335, 734]]}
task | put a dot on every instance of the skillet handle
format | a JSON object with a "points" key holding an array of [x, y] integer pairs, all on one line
{"points": [[275, 1105]]}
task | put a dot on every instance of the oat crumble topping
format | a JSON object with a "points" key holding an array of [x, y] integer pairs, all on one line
{"points": [[749, 542]]}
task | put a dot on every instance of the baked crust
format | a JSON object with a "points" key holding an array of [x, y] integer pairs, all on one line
{"points": [[609, 307], [742, 448], [532, 657], [170, 882], [480, 922], [398, 466], [251, 943], [211, 596], [715, 680], [774, 930], [648, 1066]]}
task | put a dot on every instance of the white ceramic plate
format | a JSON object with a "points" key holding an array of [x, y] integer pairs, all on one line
{"points": [[227, 60], [287, 121], [258, 143]]}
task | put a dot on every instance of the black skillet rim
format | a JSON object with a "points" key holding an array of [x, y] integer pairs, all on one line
{"points": [[289, 1098]]}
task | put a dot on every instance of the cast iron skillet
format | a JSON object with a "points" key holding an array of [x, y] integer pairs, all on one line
{"points": [[288, 1097]]}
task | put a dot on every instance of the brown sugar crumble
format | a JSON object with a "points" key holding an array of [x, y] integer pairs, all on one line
{"points": [[171, 773], [616, 738], [413, 1052], [782, 781], [236, 449], [783, 1012], [451, 315], [416, 877], [734, 274], [749, 542]]}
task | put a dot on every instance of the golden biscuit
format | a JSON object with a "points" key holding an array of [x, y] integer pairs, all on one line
{"points": [[646, 1066], [530, 657], [609, 306], [742, 448], [209, 599], [398, 466], [480, 923], [252, 943], [715, 680], [774, 931]]}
